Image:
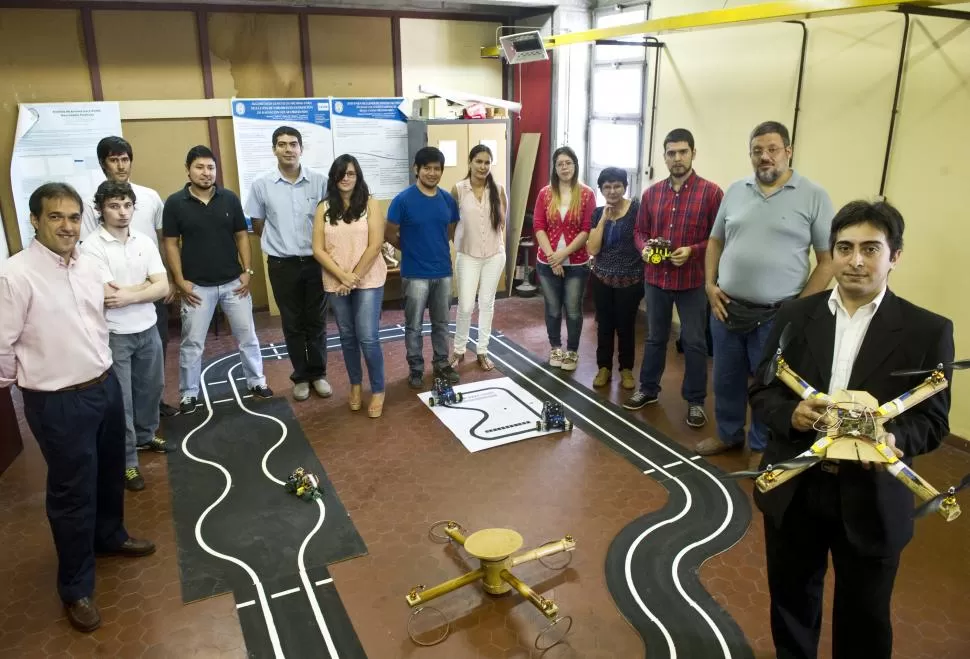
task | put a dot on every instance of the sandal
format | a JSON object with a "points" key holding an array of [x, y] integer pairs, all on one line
{"points": [[376, 406], [485, 362], [455, 358], [354, 397]]}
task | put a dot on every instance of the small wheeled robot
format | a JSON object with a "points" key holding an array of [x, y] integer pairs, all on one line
{"points": [[553, 417], [657, 250], [304, 485], [443, 394]]}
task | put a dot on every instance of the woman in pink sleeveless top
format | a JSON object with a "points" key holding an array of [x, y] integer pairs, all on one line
{"points": [[348, 233]]}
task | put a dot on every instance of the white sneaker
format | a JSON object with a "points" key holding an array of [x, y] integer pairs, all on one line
{"points": [[322, 387], [570, 360], [555, 358], [301, 391]]}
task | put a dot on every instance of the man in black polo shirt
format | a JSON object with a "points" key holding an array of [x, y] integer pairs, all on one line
{"points": [[206, 270]]}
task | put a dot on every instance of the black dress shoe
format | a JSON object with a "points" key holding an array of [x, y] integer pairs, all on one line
{"points": [[131, 548], [167, 410], [83, 614]]}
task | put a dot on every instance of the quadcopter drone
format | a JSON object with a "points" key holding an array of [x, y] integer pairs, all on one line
{"points": [[658, 250], [442, 393], [852, 430], [304, 485]]}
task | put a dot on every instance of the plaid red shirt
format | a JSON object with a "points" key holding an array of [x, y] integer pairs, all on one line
{"points": [[683, 218]]}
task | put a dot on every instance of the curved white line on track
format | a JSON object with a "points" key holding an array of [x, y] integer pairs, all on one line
{"points": [[307, 586], [629, 557], [261, 593]]}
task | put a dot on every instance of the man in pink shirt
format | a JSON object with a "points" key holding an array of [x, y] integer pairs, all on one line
{"points": [[54, 347]]}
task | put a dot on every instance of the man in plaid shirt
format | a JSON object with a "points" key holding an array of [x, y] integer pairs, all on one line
{"points": [[681, 209]]}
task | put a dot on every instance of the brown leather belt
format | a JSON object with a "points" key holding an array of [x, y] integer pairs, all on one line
{"points": [[90, 383]]}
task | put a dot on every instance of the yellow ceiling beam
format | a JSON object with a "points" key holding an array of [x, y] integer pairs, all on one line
{"points": [[768, 12]]}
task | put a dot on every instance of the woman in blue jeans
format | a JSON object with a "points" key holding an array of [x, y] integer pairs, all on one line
{"points": [[348, 233], [561, 223]]}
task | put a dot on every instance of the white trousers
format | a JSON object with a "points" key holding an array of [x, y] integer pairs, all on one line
{"points": [[481, 277]]}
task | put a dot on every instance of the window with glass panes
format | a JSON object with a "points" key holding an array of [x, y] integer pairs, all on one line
{"points": [[618, 76]]}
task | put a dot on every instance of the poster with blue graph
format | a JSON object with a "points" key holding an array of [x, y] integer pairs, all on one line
{"points": [[375, 131]]}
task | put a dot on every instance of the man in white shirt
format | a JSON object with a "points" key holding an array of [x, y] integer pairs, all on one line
{"points": [[134, 278], [853, 339], [116, 156]]}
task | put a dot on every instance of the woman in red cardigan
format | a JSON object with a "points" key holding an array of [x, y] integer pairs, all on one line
{"points": [[561, 222]]}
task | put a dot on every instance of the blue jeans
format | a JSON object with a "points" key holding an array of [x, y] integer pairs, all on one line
{"points": [[692, 309], [195, 326], [566, 291], [435, 295], [138, 364], [358, 316], [736, 357]]}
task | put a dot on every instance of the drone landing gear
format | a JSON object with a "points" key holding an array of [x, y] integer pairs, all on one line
{"points": [[495, 550]]}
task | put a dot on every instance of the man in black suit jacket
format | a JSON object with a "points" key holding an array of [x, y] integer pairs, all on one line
{"points": [[849, 338]]}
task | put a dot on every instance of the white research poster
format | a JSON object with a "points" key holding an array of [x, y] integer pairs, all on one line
{"points": [[58, 142], [375, 131], [253, 123]]}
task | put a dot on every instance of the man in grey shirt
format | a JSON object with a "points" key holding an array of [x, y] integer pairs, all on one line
{"points": [[758, 257], [281, 204]]}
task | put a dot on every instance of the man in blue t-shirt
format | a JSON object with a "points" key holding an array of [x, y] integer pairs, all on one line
{"points": [[421, 222]]}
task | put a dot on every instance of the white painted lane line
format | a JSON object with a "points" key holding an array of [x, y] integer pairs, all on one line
{"points": [[284, 592], [323, 581], [722, 641], [673, 464], [697, 457], [245, 604]]}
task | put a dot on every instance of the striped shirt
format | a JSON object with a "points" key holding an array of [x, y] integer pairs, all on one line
{"points": [[684, 217]]}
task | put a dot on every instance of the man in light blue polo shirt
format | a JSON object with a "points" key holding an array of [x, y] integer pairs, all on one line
{"points": [[281, 205], [758, 257]]}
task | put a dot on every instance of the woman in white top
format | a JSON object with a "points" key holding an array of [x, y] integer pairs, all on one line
{"points": [[480, 251]]}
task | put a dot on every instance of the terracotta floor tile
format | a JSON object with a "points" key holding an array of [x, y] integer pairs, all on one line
{"points": [[398, 474]]}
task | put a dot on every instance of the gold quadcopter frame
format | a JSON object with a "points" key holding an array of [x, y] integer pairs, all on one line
{"points": [[855, 431]]}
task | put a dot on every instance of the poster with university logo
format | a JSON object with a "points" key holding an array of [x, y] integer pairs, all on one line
{"points": [[253, 123], [375, 131], [58, 142]]}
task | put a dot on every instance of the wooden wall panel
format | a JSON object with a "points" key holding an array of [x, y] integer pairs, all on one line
{"points": [[255, 55], [160, 147], [148, 55], [448, 54], [230, 178], [42, 59], [342, 64]]}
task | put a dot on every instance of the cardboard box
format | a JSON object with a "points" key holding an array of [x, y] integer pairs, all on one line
{"points": [[436, 108]]}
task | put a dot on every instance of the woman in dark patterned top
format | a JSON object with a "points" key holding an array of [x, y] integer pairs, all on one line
{"points": [[617, 277]]}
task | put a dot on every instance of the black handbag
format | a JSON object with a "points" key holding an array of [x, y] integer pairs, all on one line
{"points": [[744, 316]]}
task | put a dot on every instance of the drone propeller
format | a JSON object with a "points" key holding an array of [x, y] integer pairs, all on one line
{"points": [[783, 342], [957, 366], [934, 504], [794, 463]]}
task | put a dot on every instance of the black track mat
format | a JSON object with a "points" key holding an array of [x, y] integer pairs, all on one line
{"points": [[652, 564], [237, 528]]}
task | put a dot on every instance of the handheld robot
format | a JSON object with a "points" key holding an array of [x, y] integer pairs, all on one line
{"points": [[657, 250]]}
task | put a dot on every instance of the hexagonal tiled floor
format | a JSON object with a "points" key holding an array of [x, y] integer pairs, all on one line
{"points": [[398, 474]]}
